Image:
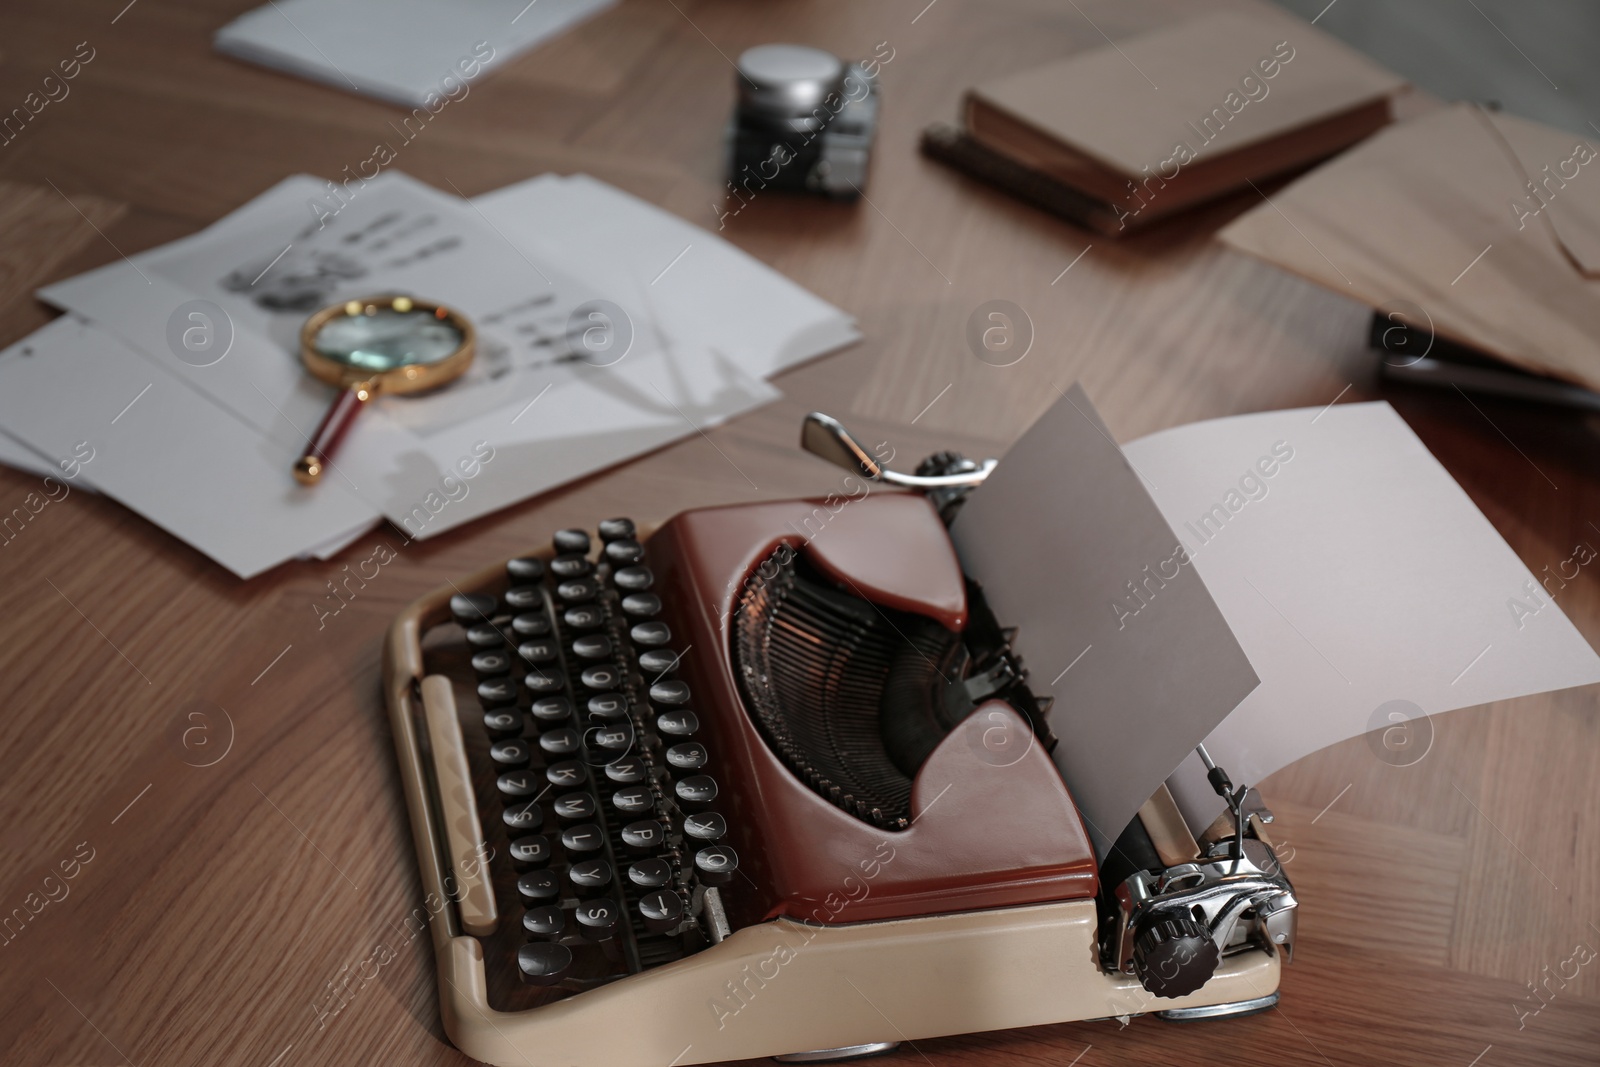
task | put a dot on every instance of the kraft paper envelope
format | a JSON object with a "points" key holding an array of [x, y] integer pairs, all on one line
{"points": [[1489, 223]]}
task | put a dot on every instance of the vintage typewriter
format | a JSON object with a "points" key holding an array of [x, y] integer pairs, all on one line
{"points": [[769, 780]]}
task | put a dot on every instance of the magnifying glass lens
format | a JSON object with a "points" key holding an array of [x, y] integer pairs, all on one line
{"points": [[387, 339]]}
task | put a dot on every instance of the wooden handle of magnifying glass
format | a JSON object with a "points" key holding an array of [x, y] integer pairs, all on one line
{"points": [[330, 431]]}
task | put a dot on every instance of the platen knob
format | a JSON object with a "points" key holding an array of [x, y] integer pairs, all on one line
{"points": [[1173, 955]]}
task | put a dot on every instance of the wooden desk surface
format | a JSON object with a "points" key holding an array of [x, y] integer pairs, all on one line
{"points": [[219, 904]]}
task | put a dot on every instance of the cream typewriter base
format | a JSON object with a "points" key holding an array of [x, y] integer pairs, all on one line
{"points": [[784, 987]]}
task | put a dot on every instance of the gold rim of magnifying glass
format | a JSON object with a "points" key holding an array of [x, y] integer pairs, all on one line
{"points": [[408, 378]]}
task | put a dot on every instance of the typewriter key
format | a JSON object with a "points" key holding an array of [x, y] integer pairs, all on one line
{"points": [[570, 565], [634, 800], [650, 634], [590, 877], [511, 754], [531, 624], [517, 785], [491, 664], [521, 598], [525, 571], [642, 605], [544, 962], [592, 646], [705, 827], [696, 792], [672, 693], [643, 836], [676, 724], [485, 636], [658, 661], [608, 706], [650, 874], [469, 609], [568, 774], [597, 919], [583, 617], [603, 676], [530, 852], [542, 681], [583, 838], [575, 807], [522, 818], [609, 742], [634, 579], [715, 865], [578, 590], [629, 770], [547, 921], [540, 651], [661, 911], [497, 692], [537, 888], [687, 757], [617, 529], [571, 540], [560, 743], [551, 712], [503, 722], [624, 552]]}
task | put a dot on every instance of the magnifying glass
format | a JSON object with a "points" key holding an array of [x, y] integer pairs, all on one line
{"points": [[387, 344]]}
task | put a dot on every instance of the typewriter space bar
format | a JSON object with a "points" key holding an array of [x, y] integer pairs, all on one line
{"points": [[463, 834]]}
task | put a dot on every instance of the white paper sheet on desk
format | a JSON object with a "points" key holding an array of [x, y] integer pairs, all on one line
{"points": [[410, 52], [1356, 573]]}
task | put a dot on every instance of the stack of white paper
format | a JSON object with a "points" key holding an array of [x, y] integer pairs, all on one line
{"points": [[182, 363]]}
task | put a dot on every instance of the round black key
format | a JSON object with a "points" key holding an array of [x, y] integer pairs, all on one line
{"points": [[544, 962], [658, 661], [610, 742], [715, 865], [590, 877], [561, 742], [677, 724], [651, 634], [696, 792], [602, 676], [542, 681], [672, 693], [568, 774], [633, 579], [491, 664], [531, 624], [582, 839], [522, 818], [641, 605], [537, 888], [548, 921], [570, 565], [617, 529], [539, 651], [524, 598], [552, 712], [485, 636], [608, 706], [705, 827], [584, 617], [516, 786], [643, 836], [629, 770], [571, 540], [687, 757], [633, 800], [661, 911], [597, 919], [624, 552], [503, 722], [530, 852], [578, 590], [512, 754], [650, 874], [592, 646], [525, 571], [497, 692], [575, 807], [469, 609]]}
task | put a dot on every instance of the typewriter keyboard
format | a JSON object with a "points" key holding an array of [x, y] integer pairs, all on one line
{"points": [[610, 838]]}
